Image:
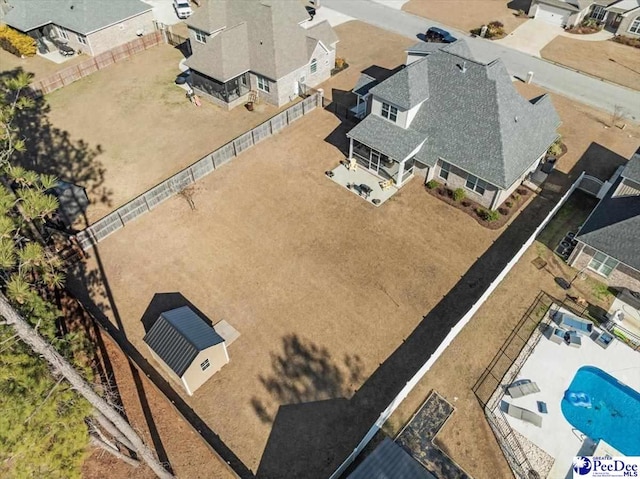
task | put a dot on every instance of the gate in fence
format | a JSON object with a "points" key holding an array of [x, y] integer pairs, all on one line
{"points": [[181, 180]]}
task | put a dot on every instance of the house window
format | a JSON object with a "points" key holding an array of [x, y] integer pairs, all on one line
{"points": [[204, 364], [476, 184], [263, 84], [243, 79], [390, 112], [602, 264], [635, 26], [314, 66], [444, 170], [200, 36], [82, 39], [63, 33], [598, 12]]}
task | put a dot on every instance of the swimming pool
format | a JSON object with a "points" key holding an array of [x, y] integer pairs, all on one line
{"points": [[614, 415]]}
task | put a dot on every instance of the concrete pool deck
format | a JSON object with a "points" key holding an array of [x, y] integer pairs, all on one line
{"points": [[553, 366]]}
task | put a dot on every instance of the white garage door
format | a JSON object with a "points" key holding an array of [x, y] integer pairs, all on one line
{"points": [[553, 15]]}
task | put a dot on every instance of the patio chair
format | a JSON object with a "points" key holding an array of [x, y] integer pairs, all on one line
{"points": [[574, 340], [523, 389], [386, 184], [353, 164], [524, 415]]}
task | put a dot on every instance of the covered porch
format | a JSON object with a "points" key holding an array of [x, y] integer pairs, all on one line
{"points": [[227, 92], [381, 165]]}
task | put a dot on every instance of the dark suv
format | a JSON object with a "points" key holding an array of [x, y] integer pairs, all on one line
{"points": [[438, 35]]}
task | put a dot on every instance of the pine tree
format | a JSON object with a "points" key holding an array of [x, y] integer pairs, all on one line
{"points": [[42, 433]]}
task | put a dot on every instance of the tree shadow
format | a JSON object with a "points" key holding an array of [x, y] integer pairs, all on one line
{"points": [[52, 151], [162, 302], [310, 390]]}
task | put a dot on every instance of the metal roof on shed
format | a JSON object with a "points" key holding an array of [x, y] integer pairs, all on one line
{"points": [[178, 336]]}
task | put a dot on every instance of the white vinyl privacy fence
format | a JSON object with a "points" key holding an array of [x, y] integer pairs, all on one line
{"points": [[413, 382], [178, 182]]}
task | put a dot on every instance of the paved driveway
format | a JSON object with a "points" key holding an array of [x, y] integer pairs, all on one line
{"points": [[531, 37]]}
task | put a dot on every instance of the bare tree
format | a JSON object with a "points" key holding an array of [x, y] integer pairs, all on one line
{"points": [[60, 366], [188, 193], [617, 115]]}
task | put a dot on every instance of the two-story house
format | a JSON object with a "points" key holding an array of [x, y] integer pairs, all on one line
{"points": [[268, 46], [609, 241], [448, 117], [621, 17]]}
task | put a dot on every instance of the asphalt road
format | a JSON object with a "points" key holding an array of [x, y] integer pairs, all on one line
{"points": [[580, 87]]}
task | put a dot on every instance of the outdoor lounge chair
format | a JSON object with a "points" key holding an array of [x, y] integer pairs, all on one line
{"points": [[524, 415], [567, 321], [574, 340], [522, 389]]}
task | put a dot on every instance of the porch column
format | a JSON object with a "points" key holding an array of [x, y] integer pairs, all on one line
{"points": [[350, 148], [400, 173]]}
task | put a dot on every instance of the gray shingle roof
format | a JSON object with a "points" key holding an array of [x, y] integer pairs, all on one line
{"points": [[425, 47], [386, 137], [560, 4], [277, 44], [224, 56], [364, 84], [407, 88], [178, 336], [475, 119], [323, 32], [390, 461], [632, 168], [614, 227], [80, 16]]}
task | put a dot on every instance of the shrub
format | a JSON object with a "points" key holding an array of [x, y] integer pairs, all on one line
{"points": [[494, 29], [488, 215], [458, 194], [632, 42], [590, 23], [521, 13], [17, 43], [508, 204], [515, 196], [431, 184], [340, 63], [496, 24], [556, 148]]}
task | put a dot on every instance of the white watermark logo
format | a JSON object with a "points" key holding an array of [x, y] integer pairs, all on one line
{"points": [[585, 467]]}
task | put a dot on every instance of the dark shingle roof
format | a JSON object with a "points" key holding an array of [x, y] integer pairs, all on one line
{"points": [[386, 137], [614, 227], [473, 117], [390, 461], [80, 16], [178, 336], [632, 168]]}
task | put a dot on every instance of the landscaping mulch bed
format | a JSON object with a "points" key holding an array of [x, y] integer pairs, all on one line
{"points": [[582, 30], [478, 212]]}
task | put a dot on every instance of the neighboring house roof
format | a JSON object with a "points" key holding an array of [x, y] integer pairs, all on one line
{"points": [[560, 4], [390, 461], [632, 168], [224, 56], [364, 84], [624, 6], [178, 336], [473, 117], [386, 137], [80, 16], [277, 44], [614, 227]]}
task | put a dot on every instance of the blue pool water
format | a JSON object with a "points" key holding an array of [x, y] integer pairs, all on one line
{"points": [[614, 415]]}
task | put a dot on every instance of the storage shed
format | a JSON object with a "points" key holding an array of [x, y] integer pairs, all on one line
{"points": [[187, 347]]}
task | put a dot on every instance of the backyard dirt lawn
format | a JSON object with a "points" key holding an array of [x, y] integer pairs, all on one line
{"points": [[144, 124], [465, 15], [321, 285], [608, 59]]}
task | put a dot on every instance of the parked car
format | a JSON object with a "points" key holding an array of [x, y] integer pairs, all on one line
{"points": [[438, 35], [182, 8]]}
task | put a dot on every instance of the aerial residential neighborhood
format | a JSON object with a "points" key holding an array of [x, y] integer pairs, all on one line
{"points": [[333, 239]]}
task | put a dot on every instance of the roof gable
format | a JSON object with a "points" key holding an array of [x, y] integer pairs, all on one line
{"points": [[632, 168], [178, 336], [80, 16]]}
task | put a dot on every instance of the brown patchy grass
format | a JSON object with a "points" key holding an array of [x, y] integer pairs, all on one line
{"points": [[147, 128], [39, 67], [608, 59], [466, 15]]}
